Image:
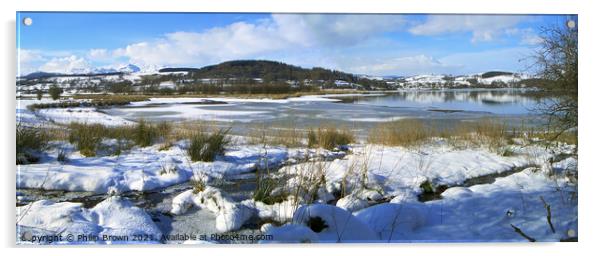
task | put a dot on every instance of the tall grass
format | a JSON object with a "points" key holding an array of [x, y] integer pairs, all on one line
{"points": [[29, 140], [415, 132], [329, 137], [264, 190], [286, 134], [405, 132], [88, 137], [205, 147]]}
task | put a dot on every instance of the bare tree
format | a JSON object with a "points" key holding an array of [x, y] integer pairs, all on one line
{"points": [[556, 63]]}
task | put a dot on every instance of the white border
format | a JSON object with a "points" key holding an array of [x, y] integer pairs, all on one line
{"points": [[589, 108]]}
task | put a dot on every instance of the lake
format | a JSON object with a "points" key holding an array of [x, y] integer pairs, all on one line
{"points": [[512, 106]]}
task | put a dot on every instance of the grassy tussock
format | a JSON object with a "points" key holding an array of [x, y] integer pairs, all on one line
{"points": [[264, 191], [88, 137], [206, 146], [329, 137], [29, 140]]}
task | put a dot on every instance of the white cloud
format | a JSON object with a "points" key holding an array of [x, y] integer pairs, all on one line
{"points": [[28, 56], [527, 36], [482, 27], [282, 32], [69, 64], [507, 59], [335, 29], [99, 54], [406, 65]]}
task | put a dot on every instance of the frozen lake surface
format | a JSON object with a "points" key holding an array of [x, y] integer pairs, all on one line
{"points": [[361, 112]]}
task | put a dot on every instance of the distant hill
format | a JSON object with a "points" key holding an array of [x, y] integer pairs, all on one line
{"points": [[167, 70], [491, 74], [37, 75], [272, 71]]}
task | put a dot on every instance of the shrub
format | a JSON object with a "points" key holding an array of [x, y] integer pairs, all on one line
{"points": [[55, 92], [205, 147]]}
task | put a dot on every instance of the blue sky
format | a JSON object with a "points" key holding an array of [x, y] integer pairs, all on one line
{"points": [[357, 43]]}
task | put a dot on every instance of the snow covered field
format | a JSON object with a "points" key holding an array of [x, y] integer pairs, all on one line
{"points": [[436, 192]]}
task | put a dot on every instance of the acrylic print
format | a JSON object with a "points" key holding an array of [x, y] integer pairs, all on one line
{"points": [[194, 128]]}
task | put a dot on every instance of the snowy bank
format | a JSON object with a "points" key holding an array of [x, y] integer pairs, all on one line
{"points": [[114, 220], [143, 169]]}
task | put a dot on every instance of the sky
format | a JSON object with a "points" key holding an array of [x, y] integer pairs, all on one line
{"points": [[375, 44]]}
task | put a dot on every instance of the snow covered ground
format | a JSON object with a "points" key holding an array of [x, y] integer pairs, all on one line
{"points": [[380, 205], [480, 213], [114, 220], [142, 169]]}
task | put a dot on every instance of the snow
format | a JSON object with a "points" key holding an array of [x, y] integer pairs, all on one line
{"points": [[338, 226], [393, 220], [26, 116], [114, 217], [64, 115], [229, 215], [480, 213], [279, 212], [81, 115], [290, 233], [400, 171], [141, 169]]}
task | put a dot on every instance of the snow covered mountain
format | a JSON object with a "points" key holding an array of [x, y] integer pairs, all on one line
{"points": [[129, 68]]}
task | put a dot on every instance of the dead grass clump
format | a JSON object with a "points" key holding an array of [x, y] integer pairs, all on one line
{"points": [[405, 132], [206, 146], [329, 137], [29, 140]]}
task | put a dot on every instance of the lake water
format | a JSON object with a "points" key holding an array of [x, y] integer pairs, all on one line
{"points": [[440, 106]]}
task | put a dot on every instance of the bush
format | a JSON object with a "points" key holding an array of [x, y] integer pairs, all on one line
{"points": [[328, 137], [55, 92], [205, 147], [29, 140]]}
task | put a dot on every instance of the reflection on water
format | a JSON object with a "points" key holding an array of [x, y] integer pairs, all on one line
{"points": [[496, 101]]}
